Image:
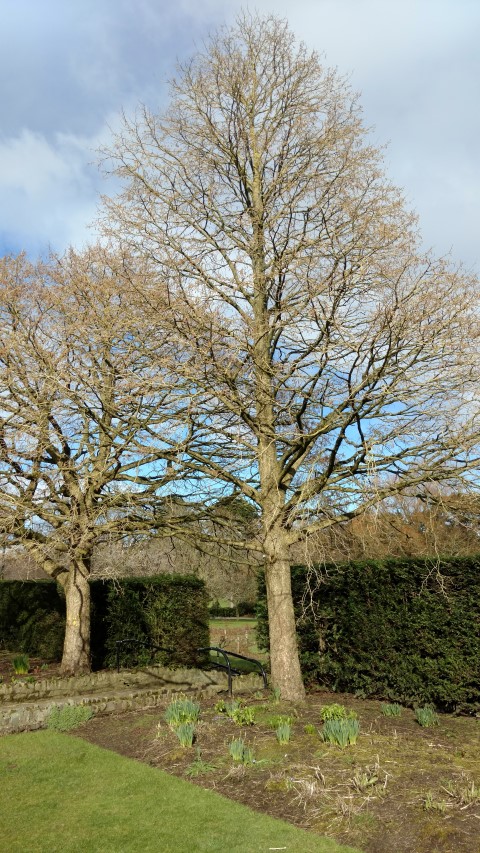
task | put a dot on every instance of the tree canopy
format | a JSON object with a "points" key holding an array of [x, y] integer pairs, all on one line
{"points": [[85, 419], [333, 359]]}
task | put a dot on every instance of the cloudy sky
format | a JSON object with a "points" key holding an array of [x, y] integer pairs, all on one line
{"points": [[69, 66]]}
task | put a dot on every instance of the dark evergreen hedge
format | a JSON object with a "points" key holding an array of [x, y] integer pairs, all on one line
{"points": [[170, 611], [32, 618], [403, 630], [167, 610], [243, 608]]}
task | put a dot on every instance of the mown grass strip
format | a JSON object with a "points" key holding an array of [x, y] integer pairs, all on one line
{"points": [[59, 794]]}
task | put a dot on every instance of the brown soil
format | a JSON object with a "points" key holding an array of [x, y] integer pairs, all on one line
{"points": [[38, 669], [401, 789]]}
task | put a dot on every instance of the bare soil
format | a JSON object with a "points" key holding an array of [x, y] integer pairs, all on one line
{"points": [[38, 669]]}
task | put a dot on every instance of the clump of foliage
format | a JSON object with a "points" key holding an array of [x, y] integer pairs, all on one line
{"points": [[392, 709], [240, 752], [278, 719], [180, 711], [21, 664], [62, 719], [276, 695], [32, 617], [166, 611], [340, 732], [240, 714], [283, 732], [310, 729], [336, 712], [185, 733], [198, 766], [426, 716]]}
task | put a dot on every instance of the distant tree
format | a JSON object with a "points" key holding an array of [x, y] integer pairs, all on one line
{"points": [[333, 360], [84, 419], [211, 546]]}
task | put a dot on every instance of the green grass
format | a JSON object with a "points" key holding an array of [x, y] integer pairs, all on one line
{"points": [[59, 794], [243, 666], [233, 622]]}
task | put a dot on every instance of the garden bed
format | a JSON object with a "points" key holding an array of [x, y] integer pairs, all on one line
{"points": [[400, 788]]}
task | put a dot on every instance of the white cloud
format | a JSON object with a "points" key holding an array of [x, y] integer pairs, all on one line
{"points": [[49, 190], [66, 67]]}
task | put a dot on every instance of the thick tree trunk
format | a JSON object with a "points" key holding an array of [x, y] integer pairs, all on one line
{"points": [[76, 647], [284, 659]]}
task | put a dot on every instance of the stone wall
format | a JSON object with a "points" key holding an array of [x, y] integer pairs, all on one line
{"points": [[25, 706]]}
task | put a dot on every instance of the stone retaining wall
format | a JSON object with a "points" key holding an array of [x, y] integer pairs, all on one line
{"points": [[94, 682], [128, 693]]}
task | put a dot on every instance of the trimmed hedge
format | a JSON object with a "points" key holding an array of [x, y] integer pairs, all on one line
{"points": [[170, 611], [167, 610], [32, 618], [406, 630], [243, 608]]}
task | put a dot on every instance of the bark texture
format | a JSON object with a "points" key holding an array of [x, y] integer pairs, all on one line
{"points": [[76, 648]]}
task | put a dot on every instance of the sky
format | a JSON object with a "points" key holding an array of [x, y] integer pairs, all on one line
{"points": [[69, 67]]}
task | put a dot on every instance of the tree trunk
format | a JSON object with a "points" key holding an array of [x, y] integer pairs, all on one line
{"points": [[284, 659], [76, 648]]}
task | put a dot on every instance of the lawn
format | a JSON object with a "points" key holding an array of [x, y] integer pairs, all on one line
{"points": [[236, 635], [60, 793]]}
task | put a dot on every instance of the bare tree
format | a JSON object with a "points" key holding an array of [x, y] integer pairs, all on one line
{"points": [[83, 419], [334, 358]]}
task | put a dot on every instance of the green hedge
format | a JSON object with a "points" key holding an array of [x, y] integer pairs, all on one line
{"points": [[32, 618], [167, 610], [243, 608], [170, 611], [403, 630]]}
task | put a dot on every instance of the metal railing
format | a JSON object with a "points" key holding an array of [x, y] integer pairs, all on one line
{"points": [[230, 670], [226, 654]]}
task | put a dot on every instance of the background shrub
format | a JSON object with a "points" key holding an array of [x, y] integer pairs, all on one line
{"points": [[404, 630], [166, 610], [32, 618], [169, 611], [243, 608]]}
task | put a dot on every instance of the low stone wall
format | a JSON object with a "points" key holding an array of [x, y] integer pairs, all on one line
{"points": [[127, 693], [94, 682]]}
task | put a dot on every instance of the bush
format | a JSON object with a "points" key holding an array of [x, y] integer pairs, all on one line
{"points": [[391, 630], [243, 608], [68, 717], [32, 618], [169, 611]]}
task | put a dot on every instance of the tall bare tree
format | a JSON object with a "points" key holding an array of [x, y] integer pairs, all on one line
{"points": [[334, 357], [83, 419]]}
